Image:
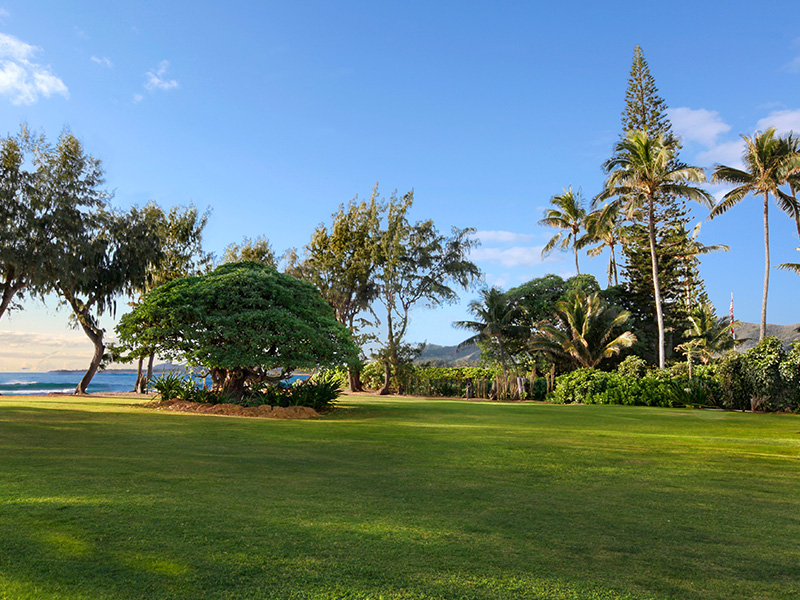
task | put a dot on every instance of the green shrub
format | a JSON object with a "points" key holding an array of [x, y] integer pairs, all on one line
{"points": [[633, 366], [169, 385], [790, 372], [538, 389], [337, 376], [735, 386], [581, 385]]}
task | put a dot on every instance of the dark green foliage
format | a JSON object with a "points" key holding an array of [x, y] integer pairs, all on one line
{"points": [[697, 392], [240, 321], [590, 386], [766, 377], [581, 385]]}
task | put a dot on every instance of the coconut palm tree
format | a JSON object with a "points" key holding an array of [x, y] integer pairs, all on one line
{"points": [[568, 215], [769, 163], [497, 320], [584, 331], [604, 227], [642, 170], [707, 334], [789, 202]]}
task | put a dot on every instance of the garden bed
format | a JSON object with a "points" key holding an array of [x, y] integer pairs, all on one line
{"points": [[264, 411]]}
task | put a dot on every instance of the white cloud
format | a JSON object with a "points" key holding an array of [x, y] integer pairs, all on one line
{"points": [[4, 14], [137, 98], [21, 79], [105, 62], [727, 153], [784, 121], [157, 80], [698, 125], [515, 256], [41, 352], [502, 237]]}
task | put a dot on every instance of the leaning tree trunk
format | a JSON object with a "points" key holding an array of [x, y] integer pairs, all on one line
{"points": [[94, 333], [762, 332], [9, 290], [651, 229]]}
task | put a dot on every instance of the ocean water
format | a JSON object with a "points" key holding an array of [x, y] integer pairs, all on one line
{"points": [[66, 382]]}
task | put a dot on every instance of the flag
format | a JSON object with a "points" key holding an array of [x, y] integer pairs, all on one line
{"points": [[733, 332]]}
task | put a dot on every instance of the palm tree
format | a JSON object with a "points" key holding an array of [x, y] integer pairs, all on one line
{"points": [[604, 227], [769, 162], [707, 334], [584, 331], [497, 320], [788, 202], [568, 215], [642, 170]]}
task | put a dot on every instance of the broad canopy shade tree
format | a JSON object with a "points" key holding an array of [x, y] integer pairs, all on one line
{"points": [[242, 322]]}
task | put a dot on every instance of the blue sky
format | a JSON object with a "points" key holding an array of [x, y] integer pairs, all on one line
{"points": [[272, 114]]}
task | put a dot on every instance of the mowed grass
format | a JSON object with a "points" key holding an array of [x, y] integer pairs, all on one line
{"points": [[397, 499]]}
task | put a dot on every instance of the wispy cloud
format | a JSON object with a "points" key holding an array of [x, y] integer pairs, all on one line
{"points": [[726, 153], [698, 125], [4, 14], [502, 237], [21, 79], [784, 121], [516, 256], [157, 78], [102, 61]]}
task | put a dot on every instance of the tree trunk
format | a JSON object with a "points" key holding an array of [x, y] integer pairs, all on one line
{"points": [[150, 366], [575, 247], [762, 332], [354, 377], [141, 384], [96, 336], [233, 383], [387, 378], [93, 332], [614, 264], [651, 229], [9, 290]]}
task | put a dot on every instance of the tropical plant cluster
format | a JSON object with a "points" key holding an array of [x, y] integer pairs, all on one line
{"points": [[319, 395], [765, 378]]}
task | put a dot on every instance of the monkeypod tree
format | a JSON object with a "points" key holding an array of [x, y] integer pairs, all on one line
{"points": [[243, 322]]}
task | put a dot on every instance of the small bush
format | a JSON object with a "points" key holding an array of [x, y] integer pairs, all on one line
{"points": [[169, 386], [633, 366], [336, 376], [581, 385]]}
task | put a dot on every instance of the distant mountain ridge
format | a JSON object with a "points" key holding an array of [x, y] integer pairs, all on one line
{"points": [[449, 356], [468, 356], [749, 331]]}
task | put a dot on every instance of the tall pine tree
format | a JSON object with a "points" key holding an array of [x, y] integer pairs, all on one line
{"points": [[646, 110]]}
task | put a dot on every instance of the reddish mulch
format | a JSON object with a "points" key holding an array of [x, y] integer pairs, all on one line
{"points": [[234, 410]]}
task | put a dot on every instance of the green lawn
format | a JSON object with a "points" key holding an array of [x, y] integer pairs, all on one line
{"points": [[397, 498]]}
